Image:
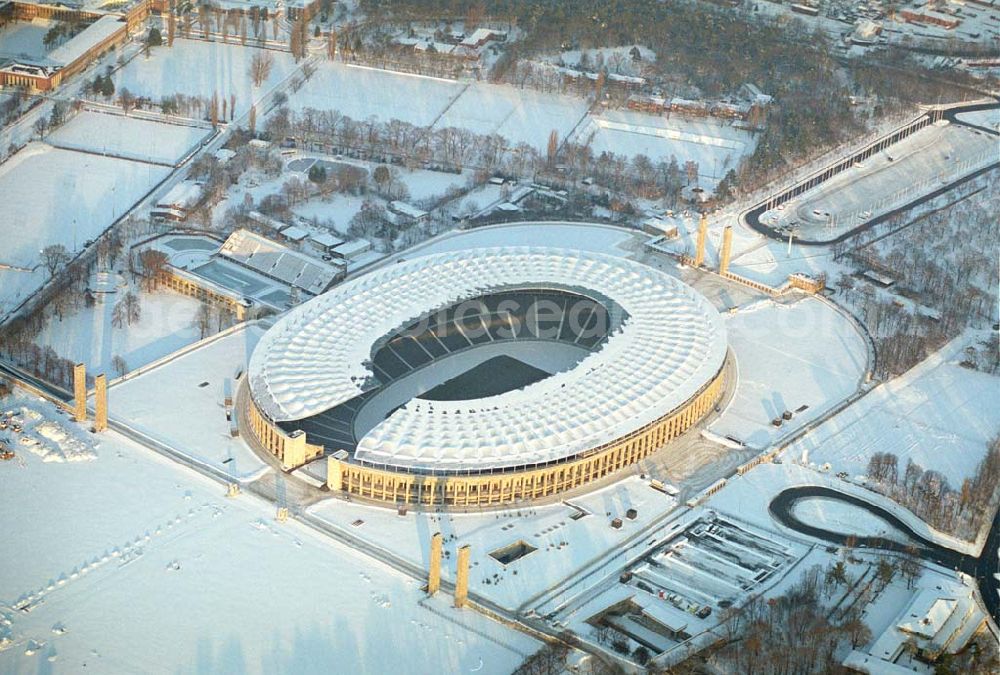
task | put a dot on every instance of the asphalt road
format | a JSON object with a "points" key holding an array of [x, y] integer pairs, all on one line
{"points": [[982, 568]]}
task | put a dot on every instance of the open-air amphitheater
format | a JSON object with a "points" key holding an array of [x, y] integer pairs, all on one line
{"points": [[486, 376]]}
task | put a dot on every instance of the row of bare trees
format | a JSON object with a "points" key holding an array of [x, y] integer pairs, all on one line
{"points": [[457, 148], [929, 495]]}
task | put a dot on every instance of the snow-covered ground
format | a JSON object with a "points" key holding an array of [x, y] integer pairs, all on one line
{"points": [[68, 198], [24, 39], [753, 255], [837, 516], [610, 55], [127, 137], [87, 336], [181, 403], [715, 146], [360, 92], [788, 356], [921, 163], [519, 115], [564, 541], [982, 118], [134, 564], [746, 498], [939, 414], [202, 69]]}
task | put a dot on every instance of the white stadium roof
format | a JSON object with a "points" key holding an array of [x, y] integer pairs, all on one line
{"points": [[671, 345]]}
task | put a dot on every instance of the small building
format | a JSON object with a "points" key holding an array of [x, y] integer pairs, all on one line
{"points": [[350, 250], [659, 227], [294, 233], [481, 36], [930, 19], [323, 243], [179, 201], [807, 282], [866, 32], [407, 213], [878, 278], [751, 93], [268, 222]]}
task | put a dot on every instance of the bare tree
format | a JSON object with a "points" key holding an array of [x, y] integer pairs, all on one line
{"points": [[260, 67], [119, 365], [133, 308], [203, 320], [54, 256]]}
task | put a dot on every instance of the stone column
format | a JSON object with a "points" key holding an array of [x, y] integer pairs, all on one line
{"points": [[462, 577], [80, 392], [434, 577], [334, 474], [727, 245], [100, 403], [699, 253]]}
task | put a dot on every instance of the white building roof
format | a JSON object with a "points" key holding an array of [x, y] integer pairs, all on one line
{"points": [[93, 34], [326, 239], [294, 233], [349, 249], [183, 196], [672, 344], [407, 210]]}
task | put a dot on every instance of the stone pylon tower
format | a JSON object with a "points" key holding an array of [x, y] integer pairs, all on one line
{"points": [[434, 576], [699, 253], [80, 392], [100, 402], [727, 246], [462, 577]]}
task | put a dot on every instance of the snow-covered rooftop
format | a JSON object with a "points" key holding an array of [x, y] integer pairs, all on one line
{"points": [[671, 345], [92, 35]]}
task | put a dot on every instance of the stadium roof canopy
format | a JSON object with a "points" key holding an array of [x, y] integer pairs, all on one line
{"points": [[318, 355]]}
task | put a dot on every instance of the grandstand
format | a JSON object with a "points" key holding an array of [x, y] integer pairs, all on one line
{"points": [[515, 315], [280, 263]]}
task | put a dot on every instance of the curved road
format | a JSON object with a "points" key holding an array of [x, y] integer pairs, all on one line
{"points": [[752, 216], [982, 568]]}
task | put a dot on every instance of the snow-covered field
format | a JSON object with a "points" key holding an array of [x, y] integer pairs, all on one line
{"points": [[360, 92], [715, 146], [788, 355], [563, 543], [837, 516], [519, 115], [24, 39], [68, 198], [982, 118], [198, 68], [137, 565], [181, 402], [939, 415], [127, 137], [87, 336]]}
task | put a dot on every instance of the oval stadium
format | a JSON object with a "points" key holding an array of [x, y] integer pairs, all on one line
{"points": [[485, 376]]}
